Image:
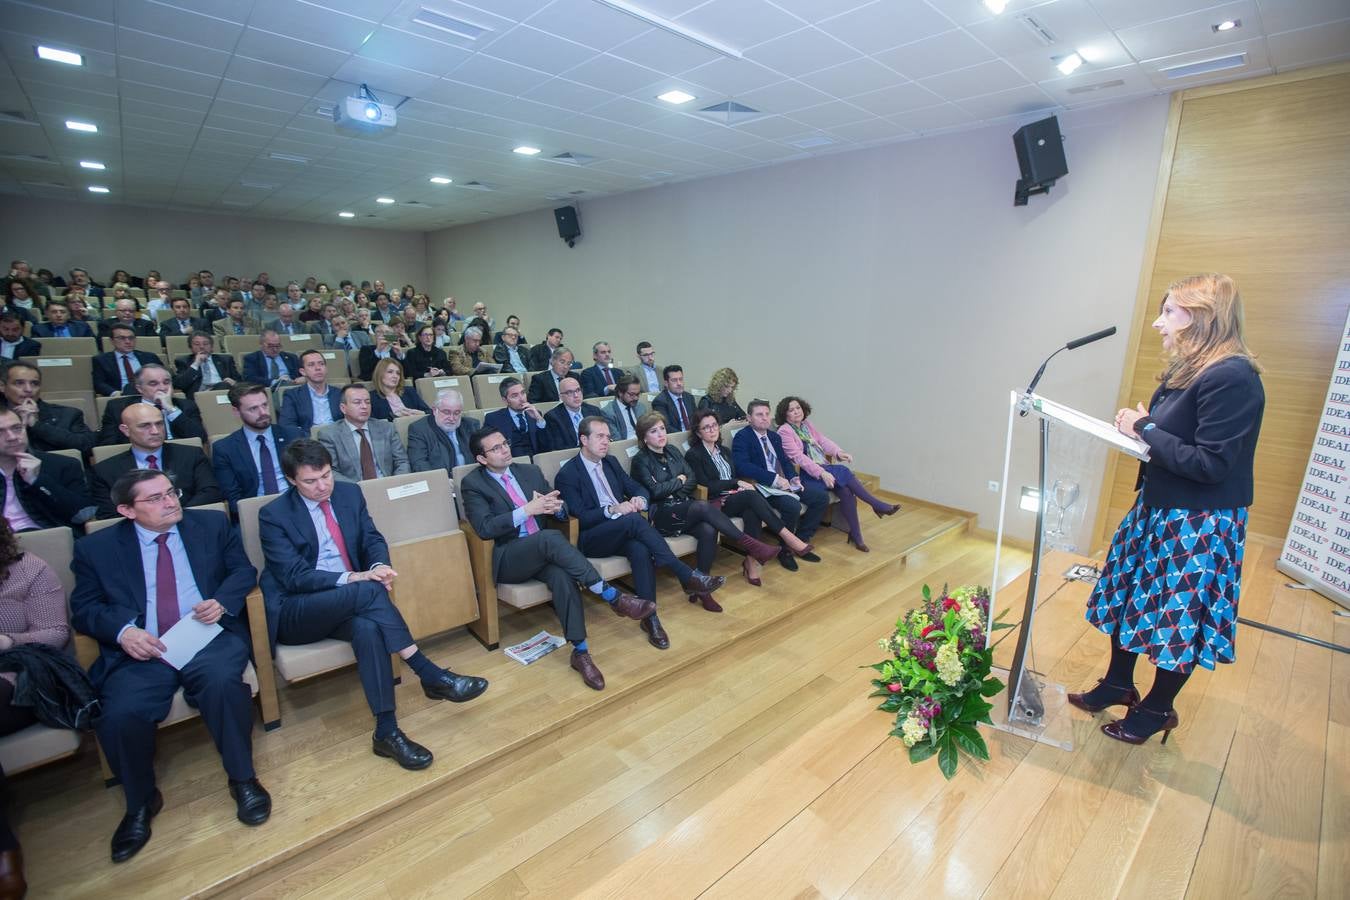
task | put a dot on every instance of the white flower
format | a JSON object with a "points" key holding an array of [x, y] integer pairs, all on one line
{"points": [[949, 667], [913, 730]]}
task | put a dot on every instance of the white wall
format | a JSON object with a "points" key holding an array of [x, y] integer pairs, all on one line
{"points": [[102, 238], [897, 288]]}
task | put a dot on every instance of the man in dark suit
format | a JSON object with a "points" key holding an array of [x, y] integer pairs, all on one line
{"points": [[125, 312], [384, 347], [522, 424], [49, 490], [626, 409], [143, 425], [540, 354], [202, 370], [361, 447], [58, 324], [51, 426], [315, 402], [511, 353], [609, 504], [154, 389], [328, 576], [544, 386], [673, 402], [247, 462], [441, 440], [12, 342], [201, 571], [182, 323], [757, 455], [269, 364], [599, 380], [115, 370], [564, 420], [523, 549]]}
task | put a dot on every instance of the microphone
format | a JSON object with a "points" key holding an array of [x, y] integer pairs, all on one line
{"points": [[1071, 345], [1091, 338]]}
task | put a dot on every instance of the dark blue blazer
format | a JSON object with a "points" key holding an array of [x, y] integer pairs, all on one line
{"points": [[380, 408], [27, 347], [747, 457], [593, 381], [560, 435], [578, 492], [255, 366], [298, 412], [533, 440], [232, 460], [107, 378], [76, 329], [110, 584], [291, 545]]}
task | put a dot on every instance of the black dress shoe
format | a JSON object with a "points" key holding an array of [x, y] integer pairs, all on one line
{"points": [[656, 635], [12, 883], [408, 754], [452, 687], [251, 801], [699, 583], [787, 560], [809, 557], [133, 832]]}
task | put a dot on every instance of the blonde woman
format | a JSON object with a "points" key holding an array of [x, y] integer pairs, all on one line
{"points": [[721, 396], [1169, 588]]}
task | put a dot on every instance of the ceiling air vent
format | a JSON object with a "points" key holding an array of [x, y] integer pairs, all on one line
{"points": [[1039, 32], [657, 176], [16, 117], [29, 158], [573, 159], [810, 143], [1236, 61], [449, 24], [477, 186], [729, 112]]}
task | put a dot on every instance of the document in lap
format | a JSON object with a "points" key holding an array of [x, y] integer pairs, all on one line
{"points": [[185, 639]]}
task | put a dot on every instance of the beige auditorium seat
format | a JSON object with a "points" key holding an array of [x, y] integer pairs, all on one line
{"points": [[545, 406], [624, 451], [242, 343], [71, 346], [299, 343], [151, 344], [63, 374], [487, 390], [83, 401], [427, 388], [106, 451], [218, 415], [403, 423], [178, 345]]}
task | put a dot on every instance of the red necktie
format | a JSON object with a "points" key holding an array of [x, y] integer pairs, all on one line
{"points": [[531, 526], [166, 587], [126, 370], [336, 534], [609, 376], [151, 462]]}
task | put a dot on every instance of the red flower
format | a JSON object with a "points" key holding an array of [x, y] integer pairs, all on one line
{"points": [[894, 687], [929, 630], [949, 603]]}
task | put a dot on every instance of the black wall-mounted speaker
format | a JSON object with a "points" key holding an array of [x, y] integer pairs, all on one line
{"points": [[568, 227], [1040, 153]]}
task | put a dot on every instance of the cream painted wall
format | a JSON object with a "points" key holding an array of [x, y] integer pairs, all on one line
{"points": [[897, 288], [102, 238]]}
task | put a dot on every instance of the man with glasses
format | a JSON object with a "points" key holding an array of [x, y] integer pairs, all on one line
{"points": [[133, 582], [524, 548], [441, 440], [125, 313], [627, 408], [143, 426], [523, 425], [564, 420], [115, 371], [544, 386], [646, 370], [509, 353], [154, 388], [270, 365]]}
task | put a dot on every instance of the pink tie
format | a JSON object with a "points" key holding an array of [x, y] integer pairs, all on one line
{"points": [[335, 533], [531, 526]]}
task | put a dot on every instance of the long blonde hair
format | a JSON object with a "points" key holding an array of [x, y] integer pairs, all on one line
{"points": [[1215, 331], [719, 382]]}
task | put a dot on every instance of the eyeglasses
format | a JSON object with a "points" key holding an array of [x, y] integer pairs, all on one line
{"points": [[571, 391], [175, 494], [709, 426], [495, 448]]}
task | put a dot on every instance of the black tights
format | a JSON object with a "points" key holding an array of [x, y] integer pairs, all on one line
{"points": [[1120, 676], [704, 521]]}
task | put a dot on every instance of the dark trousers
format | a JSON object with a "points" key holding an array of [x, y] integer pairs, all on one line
{"points": [[547, 556], [361, 613], [12, 718], [702, 521], [632, 536], [136, 696], [802, 513], [755, 510]]}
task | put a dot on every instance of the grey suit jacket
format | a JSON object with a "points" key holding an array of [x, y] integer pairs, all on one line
{"points": [[359, 339], [390, 456], [619, 429]]}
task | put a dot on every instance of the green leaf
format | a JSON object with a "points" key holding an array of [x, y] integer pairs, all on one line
{"points": [[968, 738], [921, 751], [991, 687], [975, 708], [927, 593], [947, 757]]}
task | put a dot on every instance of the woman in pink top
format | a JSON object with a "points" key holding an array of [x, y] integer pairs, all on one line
{"points": [[815, 454]]}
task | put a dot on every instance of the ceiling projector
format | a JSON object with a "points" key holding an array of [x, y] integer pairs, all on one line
{"points": [[363, 113]]}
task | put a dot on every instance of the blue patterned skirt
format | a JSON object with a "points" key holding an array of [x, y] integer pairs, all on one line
{"points": [[1170, 585]]}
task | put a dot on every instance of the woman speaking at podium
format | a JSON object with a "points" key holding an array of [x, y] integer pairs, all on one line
{"points": [[1169, 588]]}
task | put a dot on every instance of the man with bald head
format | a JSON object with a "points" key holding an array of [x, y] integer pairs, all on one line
{"points": [[126, 313], [143, 426], [564, 420], [154, 389]]}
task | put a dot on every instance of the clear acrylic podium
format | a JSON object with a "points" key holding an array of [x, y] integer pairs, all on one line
{"points": [[1035, 708]]}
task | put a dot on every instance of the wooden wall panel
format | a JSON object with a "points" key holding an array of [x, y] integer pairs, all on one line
{"points": [[1258, 188]]}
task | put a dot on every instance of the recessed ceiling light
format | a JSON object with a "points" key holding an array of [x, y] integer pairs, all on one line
{"points": [[97, 189], [288, 157], [996, 6], [1069, 64], [385, 200], [61, 56], [439, 179], [526, 151], [74, 125], [90, 164], [1227, 25], [675, 97], [346, 215]]}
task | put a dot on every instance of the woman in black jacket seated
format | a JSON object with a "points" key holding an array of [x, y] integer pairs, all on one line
{"points": [[388, 399], [662, 470], [425, 358], [721, 396]]}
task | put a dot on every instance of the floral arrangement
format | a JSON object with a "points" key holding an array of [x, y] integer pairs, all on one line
{"points": [[938, 679]]}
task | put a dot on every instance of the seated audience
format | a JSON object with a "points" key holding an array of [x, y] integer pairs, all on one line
{"points": [[510, 351], [441, 440], [328, 576], [661, 469], [19, 300], [286, 323], [143, 426], [627, 408], [757, 457], [51, 426], [362, 447], [480, 314], [182, 323], [544, 386], [523, 425], [80, 313], [59, 324], [540, 354], [673, 403], [384, 347], [154, 389], [813, 453], [711, 463], [191, 564], [202, 369], [425, 359], [451, 310], [126, 313], [389, 399], [648, 375], [236, 320], [38, 490], [79, 281], [721, 396], [115, 371], [323, 325], [12, 342], [564, 420], [470, 355], [523, 548], [512, 321], [344, 337], [247, 462], [270, 365], [384, 311], [315, 401], [599, 379]]}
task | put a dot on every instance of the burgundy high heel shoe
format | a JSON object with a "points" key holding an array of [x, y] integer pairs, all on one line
{"points": [[859, 544], [1117, 730], [707, 600], [745, 570], [1127, 697], [760, 551], [890, 510]]}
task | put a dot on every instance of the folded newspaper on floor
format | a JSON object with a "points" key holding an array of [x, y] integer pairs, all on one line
{"points": [[536, 648]]}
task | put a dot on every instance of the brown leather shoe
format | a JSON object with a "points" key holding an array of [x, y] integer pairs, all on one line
{"points": [[582, 662], [12, 883], [656, 635], [707, 600], [634, 607]]}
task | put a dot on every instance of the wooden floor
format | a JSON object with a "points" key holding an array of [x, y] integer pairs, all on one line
{"points": [[747, 761]]}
